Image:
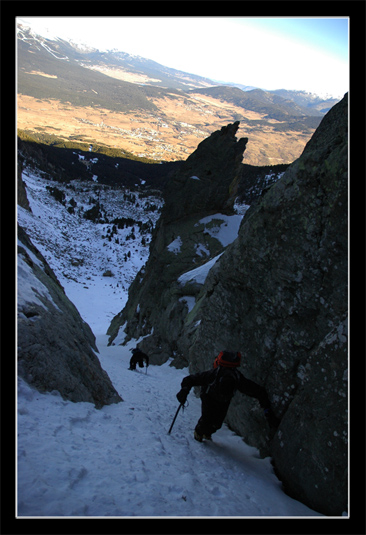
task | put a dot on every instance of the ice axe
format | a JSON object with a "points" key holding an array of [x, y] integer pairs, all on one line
{"points": [[175, 417]]}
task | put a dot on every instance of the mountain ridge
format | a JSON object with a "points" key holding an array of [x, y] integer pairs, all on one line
{"points": [[138, 63], [90, 58], [259, 100]]}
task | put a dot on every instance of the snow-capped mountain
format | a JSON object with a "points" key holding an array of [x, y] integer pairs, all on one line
{"points": [[95, 59], [156, 74]]}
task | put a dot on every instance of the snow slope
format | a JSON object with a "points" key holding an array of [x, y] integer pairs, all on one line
{"points": [[119, 461], [75, 460]]}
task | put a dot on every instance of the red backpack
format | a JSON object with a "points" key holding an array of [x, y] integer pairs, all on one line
{"points": [[228, 359]]}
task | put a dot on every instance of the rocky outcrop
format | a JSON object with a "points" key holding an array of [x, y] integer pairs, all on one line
{"points": [[198, 206], [207, 181], [22, 198], [279, 295], [56, 348]]}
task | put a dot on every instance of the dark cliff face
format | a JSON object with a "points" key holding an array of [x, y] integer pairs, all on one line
{"points": [[279, 295], [55, 346]]}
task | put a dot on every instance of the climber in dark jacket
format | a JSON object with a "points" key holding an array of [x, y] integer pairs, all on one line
{"points": [[217, 389], [138, 357]]}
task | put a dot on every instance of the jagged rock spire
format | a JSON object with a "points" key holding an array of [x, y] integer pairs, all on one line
{"points": [[207, 181]]}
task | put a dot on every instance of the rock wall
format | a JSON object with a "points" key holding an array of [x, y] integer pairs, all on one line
{"points": [[279, 295], [56, 348]]}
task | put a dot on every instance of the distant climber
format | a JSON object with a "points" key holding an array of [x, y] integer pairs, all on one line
{"points": [[138, 357], [217, 389]]}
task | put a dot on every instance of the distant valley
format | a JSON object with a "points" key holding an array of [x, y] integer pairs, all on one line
{"points": [[124, 102]]}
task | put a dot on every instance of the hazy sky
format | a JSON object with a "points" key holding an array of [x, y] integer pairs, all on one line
{"points": [[311, 54]]}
